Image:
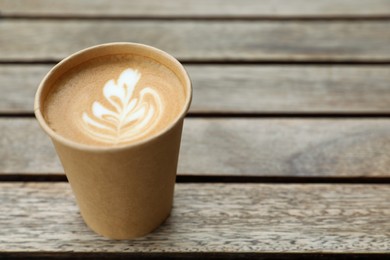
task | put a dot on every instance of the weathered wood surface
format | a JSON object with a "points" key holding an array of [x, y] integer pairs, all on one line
{"points": [[210, 218], [37, 40], [196, 8], [243, 88], [241, 147]]}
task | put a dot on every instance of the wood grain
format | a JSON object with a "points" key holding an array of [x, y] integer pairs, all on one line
{"points": [[243, 88], [196, 8], [238, 147], [42, 40], [210, 218]]}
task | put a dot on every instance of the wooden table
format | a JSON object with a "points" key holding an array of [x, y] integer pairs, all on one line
{"points": [[286, 149]]}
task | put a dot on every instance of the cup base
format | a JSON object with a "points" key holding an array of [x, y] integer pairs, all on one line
{"points": [[128, 234]]}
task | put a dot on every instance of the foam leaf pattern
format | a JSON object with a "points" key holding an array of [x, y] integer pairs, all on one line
{"points": [[128, 117]]}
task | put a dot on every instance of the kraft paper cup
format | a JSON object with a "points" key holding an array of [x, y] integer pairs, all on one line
{"points": [[125, 191]]}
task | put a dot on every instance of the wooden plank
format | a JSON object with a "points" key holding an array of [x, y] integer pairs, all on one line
{"points": [[241, 147], [243, 88], [202, 40], [210, 218], [196, 8], [18, 85]]}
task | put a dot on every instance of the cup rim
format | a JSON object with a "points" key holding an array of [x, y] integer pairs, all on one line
{"points": [[95, 148]]}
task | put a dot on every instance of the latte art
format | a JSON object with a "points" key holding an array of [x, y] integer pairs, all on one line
{"points": [[129, 117], [114, 100]]}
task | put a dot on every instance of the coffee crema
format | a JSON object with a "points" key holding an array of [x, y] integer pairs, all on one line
{"points": [[114, 100]]}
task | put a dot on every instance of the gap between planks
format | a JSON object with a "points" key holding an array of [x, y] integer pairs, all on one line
{"points": [[222, 18], [187, 178], [230, 62], [197, 256], [258, 115]]}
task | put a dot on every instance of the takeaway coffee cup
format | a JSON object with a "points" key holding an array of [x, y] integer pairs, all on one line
{"points": [[114, 113]]}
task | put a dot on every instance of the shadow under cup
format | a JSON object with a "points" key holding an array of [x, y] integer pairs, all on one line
{"points": [[124, 191]]}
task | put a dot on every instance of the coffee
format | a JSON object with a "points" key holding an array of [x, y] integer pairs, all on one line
{"points": [[114, 100]]}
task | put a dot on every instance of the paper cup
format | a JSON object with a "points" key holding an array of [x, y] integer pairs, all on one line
{"points": [[126, 191]]}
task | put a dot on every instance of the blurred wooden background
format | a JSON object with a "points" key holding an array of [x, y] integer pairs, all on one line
{"points": [[286, 149]]}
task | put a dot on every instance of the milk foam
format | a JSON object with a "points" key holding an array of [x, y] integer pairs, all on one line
{"points": [[114, 100], [131, 117]]}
